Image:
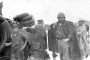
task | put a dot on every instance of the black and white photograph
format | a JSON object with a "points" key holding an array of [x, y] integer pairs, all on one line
{"points": [[44, 29]]}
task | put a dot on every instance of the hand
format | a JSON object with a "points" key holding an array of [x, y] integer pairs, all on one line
{"points": [[65, 40], [47, 50], [7, 44]]}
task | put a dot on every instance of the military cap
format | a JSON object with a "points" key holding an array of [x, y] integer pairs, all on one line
{"points": [[40, 21]]}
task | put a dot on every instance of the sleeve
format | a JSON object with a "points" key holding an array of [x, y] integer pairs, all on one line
{"points": [[30, 30], [71, 29], [23, 35]]}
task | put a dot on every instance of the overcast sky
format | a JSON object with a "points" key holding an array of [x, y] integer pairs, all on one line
{"points": [[48, 9]]}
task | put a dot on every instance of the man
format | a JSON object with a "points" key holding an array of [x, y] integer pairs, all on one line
{"points": [[66, 36], [21, 36], [82, 30], [39, 43], [40, 28], [18, 39]]}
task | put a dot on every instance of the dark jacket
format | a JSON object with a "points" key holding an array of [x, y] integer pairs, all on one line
{"points": [[70, 32], [74, 49], [52, 42]]}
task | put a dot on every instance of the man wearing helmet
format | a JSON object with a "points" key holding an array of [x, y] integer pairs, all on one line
{"points": [[66, 36]]}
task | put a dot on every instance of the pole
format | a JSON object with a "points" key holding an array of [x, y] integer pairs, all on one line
{"points": [[49, 52]]}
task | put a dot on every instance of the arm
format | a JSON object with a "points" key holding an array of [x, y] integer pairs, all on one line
{"points": [[71, 29], [23, 45], [24, 38], [83, 30]]}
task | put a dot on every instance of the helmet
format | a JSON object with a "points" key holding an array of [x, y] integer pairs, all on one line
{"points": [[61, 15]]}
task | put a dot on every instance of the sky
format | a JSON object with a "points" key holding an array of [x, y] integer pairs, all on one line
{"points": [[48, 9]]}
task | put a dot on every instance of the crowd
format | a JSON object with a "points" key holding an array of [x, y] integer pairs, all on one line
{"points": [[23, 39]]}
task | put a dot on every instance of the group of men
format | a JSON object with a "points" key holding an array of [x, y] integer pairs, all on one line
{"points": [[29, 41]]}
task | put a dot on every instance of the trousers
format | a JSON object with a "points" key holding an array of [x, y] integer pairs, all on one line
{"points": [[63, 49]]}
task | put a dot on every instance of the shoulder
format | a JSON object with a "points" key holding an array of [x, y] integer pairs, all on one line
{"points": [[69, 22], [30, 30], [70, 25]]}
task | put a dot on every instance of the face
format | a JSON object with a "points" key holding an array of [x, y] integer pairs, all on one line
{"points": [[61, 19], [42, 23], [79, 23], [39, 26]]}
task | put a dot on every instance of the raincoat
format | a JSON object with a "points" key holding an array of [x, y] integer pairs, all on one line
{"points": [[70, 32]]}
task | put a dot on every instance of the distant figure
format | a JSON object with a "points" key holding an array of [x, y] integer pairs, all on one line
{"points": [[52, 42]]}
